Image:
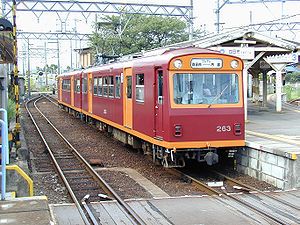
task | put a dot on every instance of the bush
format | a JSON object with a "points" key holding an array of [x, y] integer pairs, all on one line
{"points": [[11, 110]]}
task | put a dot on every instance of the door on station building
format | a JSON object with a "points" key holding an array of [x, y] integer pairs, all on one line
{"points": [[90, 92], [72, 91], [60, 89], [159, 100], [127, 97]]}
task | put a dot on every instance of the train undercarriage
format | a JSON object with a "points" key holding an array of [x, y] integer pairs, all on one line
{"points": [[160, 155]]}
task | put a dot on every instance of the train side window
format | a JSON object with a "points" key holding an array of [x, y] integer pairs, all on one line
{"points": [[129, 86], [84, 85], [66, 85], [77, 88], [95, 86], [105, 86], [100, 86], [118, 87], [111, 86], [139, 88], [160, 87]]}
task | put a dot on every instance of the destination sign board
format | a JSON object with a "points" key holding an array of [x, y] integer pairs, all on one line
{"points": [[203, 63]]}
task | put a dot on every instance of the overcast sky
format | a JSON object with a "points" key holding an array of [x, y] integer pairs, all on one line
{"points": [[204, 14]]}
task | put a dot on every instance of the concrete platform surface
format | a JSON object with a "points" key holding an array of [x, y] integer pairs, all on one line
{"points": [[29, 211], [194, 210]]}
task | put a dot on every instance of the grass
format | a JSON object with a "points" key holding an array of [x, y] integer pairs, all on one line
{"points": [[292, 91]]}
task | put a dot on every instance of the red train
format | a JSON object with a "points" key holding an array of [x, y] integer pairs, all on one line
{"points": [[176, 104]]}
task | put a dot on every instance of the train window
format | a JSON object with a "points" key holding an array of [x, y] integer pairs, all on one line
{"points": [[66, 85], [139, 88], [77, 88], [84, 85], [206, 88], [129, 86], [105, 86], [100, 86], [95, 86], [160, 87], [118, 86], [111, 86]]}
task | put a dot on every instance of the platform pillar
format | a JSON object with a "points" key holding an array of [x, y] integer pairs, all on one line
{"points": [[278, 91], [265, 89]]}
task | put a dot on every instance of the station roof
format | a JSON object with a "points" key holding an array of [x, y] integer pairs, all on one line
{"points": [[238, 37]]}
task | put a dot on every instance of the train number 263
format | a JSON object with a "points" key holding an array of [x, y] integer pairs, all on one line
{"points": [[224, 128]]}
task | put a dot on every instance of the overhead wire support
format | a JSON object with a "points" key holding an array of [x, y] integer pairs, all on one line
{"points": [[257, 1], [16, 77], [52, 35], [222, 3], [100, 7]]}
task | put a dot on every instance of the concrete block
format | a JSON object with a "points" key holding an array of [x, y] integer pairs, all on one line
{"points": [[238, 158], [281, 161], [253, 153], [266, 168], [253, 173], [253, 163], [243, 151], [245, 161], [270, 158], [242, 169], [280, 184], [269, 179], [262, 156], [277, 172]]}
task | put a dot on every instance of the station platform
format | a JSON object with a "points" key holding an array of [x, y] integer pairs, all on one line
{"points": [[27, 210], [273, 141]]}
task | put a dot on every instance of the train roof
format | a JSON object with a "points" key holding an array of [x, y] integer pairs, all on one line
{"points": [[159, 56]]}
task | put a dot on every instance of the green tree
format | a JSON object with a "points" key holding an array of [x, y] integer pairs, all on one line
{"points": [[126, 34], [293, 77]]}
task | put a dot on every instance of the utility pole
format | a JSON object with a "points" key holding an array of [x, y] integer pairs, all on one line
{"points": [[191, 22], [28, 68], [58, 61], [46, 67]]}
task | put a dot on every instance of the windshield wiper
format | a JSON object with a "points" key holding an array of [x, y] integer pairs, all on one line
{"points": [[218, 96]]}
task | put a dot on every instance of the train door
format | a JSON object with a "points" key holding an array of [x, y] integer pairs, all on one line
{"points": [[158, 111], [60, 89], [72, 91], [90, 93], [127, 97]]}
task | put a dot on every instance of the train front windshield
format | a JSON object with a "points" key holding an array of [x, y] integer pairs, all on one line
{"points": [[201, 88]]}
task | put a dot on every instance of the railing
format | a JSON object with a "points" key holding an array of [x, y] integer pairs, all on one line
{"points": [[4, 152]]}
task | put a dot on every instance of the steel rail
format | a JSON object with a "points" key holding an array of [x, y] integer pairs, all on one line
{"points": [[251, 188], [103, 183], [201, 185], [56, 164], [229, 196]]}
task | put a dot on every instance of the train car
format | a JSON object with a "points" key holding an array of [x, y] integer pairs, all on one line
{"points": [[175, 104]]}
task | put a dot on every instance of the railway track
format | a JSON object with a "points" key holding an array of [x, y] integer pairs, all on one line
{"points": [[231, 189], [81, 180], [222, 183]]}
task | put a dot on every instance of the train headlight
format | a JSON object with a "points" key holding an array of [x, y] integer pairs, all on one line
{"points": [[177, 63], [234, 64]]}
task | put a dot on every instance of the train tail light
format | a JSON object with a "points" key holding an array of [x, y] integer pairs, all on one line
{"points": [[177, 130], [237, 129]]}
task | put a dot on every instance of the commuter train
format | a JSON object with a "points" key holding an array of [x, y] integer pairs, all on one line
{"points": [[176, 104]]}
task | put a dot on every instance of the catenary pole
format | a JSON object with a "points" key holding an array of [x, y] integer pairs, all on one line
{"points": [[16, 77]]}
